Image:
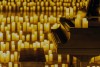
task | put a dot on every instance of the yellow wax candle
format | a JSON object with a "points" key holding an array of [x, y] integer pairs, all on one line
{"points": [[51, 46], [31, 19], [51, 19], [2, 27], [38, 45], [54, 8], [10, 64], [46, 66], [67, 12], [23, 38], [45, 18], [34, 8], [28, 26], [47, 58], [38, 8], [4, 20], [46, 27], [20, 34], [42, 37], [19, 45], [7, 59], [68, 58], [12, 19], [3, 57], [42, 3], [35, 34], [12, 57], [13, 36], [50, 57], [24, 27], [7, 46], [13, 26], [13, 46], [28, 37], [22, 46], [50, 52], [1, 36], [35, 18], [71, 12], [15, 65], [59, 58], [84, 23], [34, 46], [63, 65], [21, 19], [16, 56], [16, 19], [26, 44], [74, 60], [33, 37], [2, 46], [77, 23], [8, 19], [56, 65], [52, 65]]}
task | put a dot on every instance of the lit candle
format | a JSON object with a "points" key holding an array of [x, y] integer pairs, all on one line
{"points": [[56, 65], [28, 37], [1, 56], [13, 26], [51, 19], [84, 23], [34, 46], [35, 34], [35, 18], [21, 19], [8, 37], [77, 23], [59, 58], [52, 65], [19, 45], [45, 18], [8, 19], [22, 46], [31, 19], [10, 64], [2, 46], [20, 34], [2, 27], [16, 56], [12, 57], [68, 58], [7, 56], [12, 45], [15, 65], [1, 36], [67, 12], [71, 12], [46, 27], [24, 27], [42, 37], [38, 44], [46, 66], [38, 8], [50, 57], [63, 65], [47, 58], [26, 44], [7, 45], [23, 38]]}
